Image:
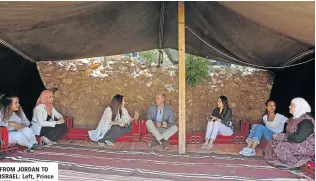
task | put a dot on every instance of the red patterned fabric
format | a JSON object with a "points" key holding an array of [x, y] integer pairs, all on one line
{"points": [[280, 152], [151, 164]]}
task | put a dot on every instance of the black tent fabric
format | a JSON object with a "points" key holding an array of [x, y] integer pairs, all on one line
{"points": [[298, 81], [20, 77], [69, 30]]}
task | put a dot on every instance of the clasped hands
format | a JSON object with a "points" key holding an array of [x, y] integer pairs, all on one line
{"points": [[16, 126], [162, 124]]}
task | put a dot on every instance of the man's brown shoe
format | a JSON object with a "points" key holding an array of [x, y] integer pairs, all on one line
{"points": [[152, 143], [165, 144]]}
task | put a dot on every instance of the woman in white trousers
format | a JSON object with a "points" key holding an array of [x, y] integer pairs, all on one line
{"points": [[219, 123], [13, 117]]}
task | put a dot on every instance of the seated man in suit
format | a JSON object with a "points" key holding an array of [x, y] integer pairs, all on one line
{"points": [[160, 122]]}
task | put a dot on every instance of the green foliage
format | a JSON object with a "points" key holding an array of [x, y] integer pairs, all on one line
{"points": [[149, 55], [196, 69]]}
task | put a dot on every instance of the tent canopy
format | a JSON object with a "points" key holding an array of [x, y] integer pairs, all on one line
{"points": [[260, 33]]}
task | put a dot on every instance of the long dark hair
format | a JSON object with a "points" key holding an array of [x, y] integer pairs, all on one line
{"points": [[5, 104], [269, 100], [225, 103], [115, 105]]}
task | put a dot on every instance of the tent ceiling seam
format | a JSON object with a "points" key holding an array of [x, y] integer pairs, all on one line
{"points": [[297, 57], [242, 62], [17, 51]]}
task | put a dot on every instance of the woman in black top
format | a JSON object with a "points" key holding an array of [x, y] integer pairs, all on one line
{"points": [[219, 123]]}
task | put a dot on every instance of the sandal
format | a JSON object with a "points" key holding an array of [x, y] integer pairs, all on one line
{"points": [[204, 146], [47, 141], [209, 146], [109, 143]]}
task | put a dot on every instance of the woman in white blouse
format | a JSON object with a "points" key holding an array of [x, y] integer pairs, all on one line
{"points": [[274, 123], [13, 117], [114, 122], [47, 122]]}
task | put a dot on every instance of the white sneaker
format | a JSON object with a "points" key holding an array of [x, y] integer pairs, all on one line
{"points": [[244, 150], [109, 143], [251, 152]]}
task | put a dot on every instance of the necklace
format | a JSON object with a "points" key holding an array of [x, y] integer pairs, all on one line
{"points": [[271, 118]]}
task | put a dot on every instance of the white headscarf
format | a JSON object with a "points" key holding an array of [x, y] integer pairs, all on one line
{"points": [[301, 107]]}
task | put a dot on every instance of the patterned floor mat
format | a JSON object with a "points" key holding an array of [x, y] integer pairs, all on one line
{"points": [[95, 163]]}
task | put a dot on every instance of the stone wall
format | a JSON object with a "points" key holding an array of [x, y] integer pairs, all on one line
{"points": [[86, 86]]}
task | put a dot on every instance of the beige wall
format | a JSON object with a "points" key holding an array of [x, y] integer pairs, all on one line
{"points": [[85, 88]]}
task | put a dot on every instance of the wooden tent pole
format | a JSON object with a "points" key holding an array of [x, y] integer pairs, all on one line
{"points": [[181, 55]]}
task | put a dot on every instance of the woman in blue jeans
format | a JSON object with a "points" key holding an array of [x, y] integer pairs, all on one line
{"points": [[274, 123]]}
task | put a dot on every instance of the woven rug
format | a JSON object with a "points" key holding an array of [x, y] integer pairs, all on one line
{"points": [[86, 163]]}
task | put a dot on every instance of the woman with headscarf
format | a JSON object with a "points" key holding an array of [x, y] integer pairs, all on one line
{"points": [[115, 122], [297, 146], [47, 122], [13, 118]]}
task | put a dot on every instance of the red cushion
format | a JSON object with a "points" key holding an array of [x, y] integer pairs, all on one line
{"points": [[6, 147], [69, 122], [309, 169], [4, 136], [82, 134], [139, 126], [77, 134], [199, 137]]}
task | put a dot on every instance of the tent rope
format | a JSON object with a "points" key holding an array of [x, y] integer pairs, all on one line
{"points": [[161, 32], [257, 66], [17, 51]]}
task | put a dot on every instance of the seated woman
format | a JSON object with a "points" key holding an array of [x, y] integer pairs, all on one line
{"points": [[114, 122], [13, 117], [274, 123], [219, 123], [47, 122], [297, 146]]}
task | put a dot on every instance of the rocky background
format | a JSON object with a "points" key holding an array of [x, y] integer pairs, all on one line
{"points": [[86, 86]]}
